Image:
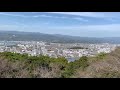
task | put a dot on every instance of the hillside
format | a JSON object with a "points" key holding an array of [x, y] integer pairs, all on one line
{"points": [[30, 36], [102, 66], [13, 65]]}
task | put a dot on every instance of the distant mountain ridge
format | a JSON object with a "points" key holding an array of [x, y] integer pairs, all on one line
{"points": [[35, 36]]}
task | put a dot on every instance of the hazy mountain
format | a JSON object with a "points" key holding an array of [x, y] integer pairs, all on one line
{"points": [[32, 36]]}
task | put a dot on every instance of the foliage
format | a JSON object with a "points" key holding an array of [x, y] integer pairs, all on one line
{"points": [[33, 63], [14, 56], [101, 55], [15, 65], [82, 63], [69, 70]]}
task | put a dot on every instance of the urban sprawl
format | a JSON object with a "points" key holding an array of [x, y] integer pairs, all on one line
{"points": [[68, 50]]}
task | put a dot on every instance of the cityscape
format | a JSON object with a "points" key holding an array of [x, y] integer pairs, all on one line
{"points": [[70, 51], [59, 44]]}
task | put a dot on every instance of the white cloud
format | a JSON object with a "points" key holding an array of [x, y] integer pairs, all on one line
{"points": [[106, 16], [37, 16], [13, 15], [108, 27], [82, 30], [81, 19], [34, 16], [24, 16], [63, 17], [110, 30], [109, 16], [87, 14], [78, 18], [42, 16]]}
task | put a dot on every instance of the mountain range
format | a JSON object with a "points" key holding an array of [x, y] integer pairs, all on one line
{"points": [[35, 36]]}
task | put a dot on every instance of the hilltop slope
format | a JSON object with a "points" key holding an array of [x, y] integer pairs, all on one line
{"points": [[32, 36], [13, 65]]}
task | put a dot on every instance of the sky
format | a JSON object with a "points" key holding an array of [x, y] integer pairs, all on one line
{"points": [[84, 24]]}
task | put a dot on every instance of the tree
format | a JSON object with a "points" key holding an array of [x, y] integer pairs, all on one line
{"points": [[81, 63]]}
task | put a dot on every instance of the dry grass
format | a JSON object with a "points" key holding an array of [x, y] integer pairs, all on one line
{"points": [[110, 64], [102, 68], [12, 70], [43, 72]]}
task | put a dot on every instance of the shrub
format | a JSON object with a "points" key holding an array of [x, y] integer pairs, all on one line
{"points": [[71, 68], [112, 74], [22, 65], [101, 56], [81, 63]]}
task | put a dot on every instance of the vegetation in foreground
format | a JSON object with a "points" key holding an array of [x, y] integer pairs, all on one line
{"points": [[14, 65]]}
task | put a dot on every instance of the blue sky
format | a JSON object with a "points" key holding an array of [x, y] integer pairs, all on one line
{"points": [[84, 24]]}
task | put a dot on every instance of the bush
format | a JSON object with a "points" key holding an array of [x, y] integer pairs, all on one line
{"points": [[71, 68], [22, 65], [101, 56], [81, 63]]}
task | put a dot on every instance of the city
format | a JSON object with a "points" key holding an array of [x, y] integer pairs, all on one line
{"points": [[59, 45], [67, 50]]}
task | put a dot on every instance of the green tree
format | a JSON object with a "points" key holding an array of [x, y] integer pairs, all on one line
{"points": [[81, 63], [101, 56]]}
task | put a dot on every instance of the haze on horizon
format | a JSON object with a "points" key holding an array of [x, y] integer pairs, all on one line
{"points": [[84, 24]]}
